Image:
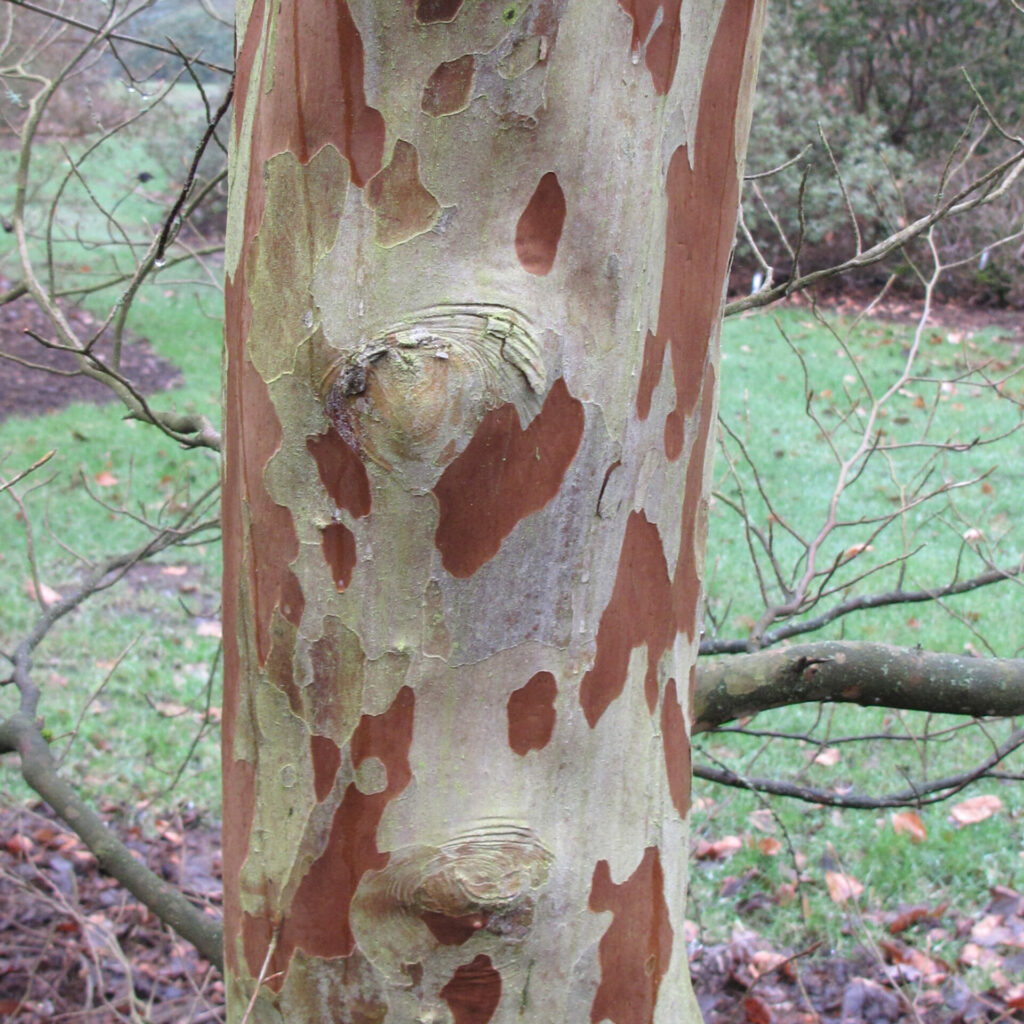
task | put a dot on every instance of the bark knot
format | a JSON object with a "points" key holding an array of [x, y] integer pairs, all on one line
{"points": [[417, 387]]}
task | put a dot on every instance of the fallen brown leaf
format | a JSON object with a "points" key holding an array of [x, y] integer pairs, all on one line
{"points": [[46, 595], [756, 1011], [907, 823], [828, 756], [975, 809], [842, 887], [910, 917], [718, 850]]}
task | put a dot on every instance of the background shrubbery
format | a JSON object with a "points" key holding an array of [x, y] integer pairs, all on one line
{"points": [[884, 86]]}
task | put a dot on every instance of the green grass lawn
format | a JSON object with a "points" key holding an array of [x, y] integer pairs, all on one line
{"points": [[109, 473], [764, 390], [127, 679]]}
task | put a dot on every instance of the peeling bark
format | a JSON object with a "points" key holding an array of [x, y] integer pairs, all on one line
{"points": [[463, 511]]}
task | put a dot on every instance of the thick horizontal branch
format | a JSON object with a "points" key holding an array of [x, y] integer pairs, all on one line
{"points": [[20, 734], [856, 673]]}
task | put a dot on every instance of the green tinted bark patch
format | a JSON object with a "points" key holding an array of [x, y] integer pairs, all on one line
{"points": [[271, 527], [404, 208], [338, 664], [280, 667], [450, 87], [503, 475], [304, 205]]}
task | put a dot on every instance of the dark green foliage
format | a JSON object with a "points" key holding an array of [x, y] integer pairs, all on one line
{"points": [[881, 84]]}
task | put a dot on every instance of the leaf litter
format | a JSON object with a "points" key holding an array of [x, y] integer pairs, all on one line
{"points": [[76, 946]]}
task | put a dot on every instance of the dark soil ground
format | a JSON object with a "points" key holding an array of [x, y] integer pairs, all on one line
{"points": [[29, 390], [75, 946]]}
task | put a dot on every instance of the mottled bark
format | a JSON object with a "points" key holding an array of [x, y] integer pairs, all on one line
{"points": [[476, 260]]}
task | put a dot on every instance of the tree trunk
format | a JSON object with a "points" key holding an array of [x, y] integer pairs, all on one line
{"points": [[476, 258]]}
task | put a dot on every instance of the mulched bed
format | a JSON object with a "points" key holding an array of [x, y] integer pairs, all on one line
{"points": [[25, 391], [74, 946]]}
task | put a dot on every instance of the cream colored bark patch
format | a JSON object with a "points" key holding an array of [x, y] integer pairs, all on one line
{"points": [[304, 205], [403, 207]]}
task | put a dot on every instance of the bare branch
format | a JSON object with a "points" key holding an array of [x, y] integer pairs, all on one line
{"points": [[871, 675], [120, 37], [982, 190], [919, 795], [863, 603]]}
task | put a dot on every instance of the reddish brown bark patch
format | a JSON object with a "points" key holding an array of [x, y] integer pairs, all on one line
{"points": [[429, 12], [273, 542], [686, 582], [326, 756], [318, 96], [450, 88], [634, 952], [503, 475], [473, 991], [640, 611], [676, 745], [341, 471], [257, 933], [453, 931], [339, 545], [318, 918], [239, 778], [540, 226], [531, 714], [404, 208], [702, 202], [662, 50]]}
